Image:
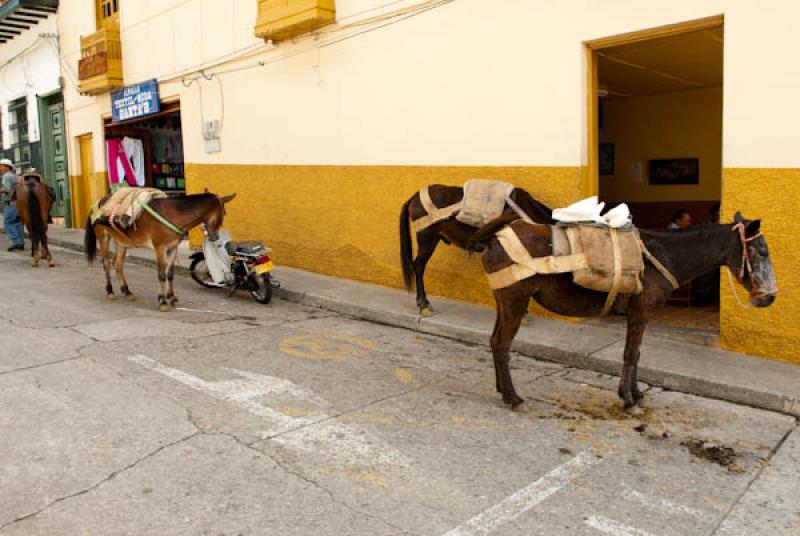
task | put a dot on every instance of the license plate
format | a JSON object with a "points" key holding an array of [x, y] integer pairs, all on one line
{"points": [[264, 268]]}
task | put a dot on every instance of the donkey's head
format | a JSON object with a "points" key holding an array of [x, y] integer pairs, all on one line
{"points": [[749, 261], [215, 216]]}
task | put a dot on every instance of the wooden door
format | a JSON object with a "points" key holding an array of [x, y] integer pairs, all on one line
{"points": [[54, 152], [83, 186]]}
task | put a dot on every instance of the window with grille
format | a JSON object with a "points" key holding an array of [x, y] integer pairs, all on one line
{"points": [[105, 10], [20, 148]]}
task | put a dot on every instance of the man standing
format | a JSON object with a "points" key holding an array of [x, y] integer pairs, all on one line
{"points": [[7, 182]]}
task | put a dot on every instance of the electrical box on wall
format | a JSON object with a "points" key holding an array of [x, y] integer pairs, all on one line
{"points": [[211, 136]]}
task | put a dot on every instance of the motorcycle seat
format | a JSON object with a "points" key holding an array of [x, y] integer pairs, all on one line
{"points": [[243, 248]]}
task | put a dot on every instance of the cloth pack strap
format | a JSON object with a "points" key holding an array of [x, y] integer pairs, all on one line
{"points": [[525, 265], [516, 208], [434, 214], [161, 219], [616, 279], [660, 267]]}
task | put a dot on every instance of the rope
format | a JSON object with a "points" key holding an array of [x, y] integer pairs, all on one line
{"points": [[743, 305]]}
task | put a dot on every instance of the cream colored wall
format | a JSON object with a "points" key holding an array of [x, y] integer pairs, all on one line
{"points": [[467, 83], [675, 125]]}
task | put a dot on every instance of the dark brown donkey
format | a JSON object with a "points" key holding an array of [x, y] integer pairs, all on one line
{"points": [[183, 212], [449, 231], [34, 198], [686, 254]]}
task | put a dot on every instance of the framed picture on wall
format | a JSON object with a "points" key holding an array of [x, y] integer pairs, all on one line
{"points": [[674, 171], [606, 159]]}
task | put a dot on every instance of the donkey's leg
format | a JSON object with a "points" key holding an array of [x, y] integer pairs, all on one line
{"points": [[427, 240], [105, 241], [161, 259], [172, 256], [511, 306], [36, 251], [119, 266], [47, 255], [637, 322]]}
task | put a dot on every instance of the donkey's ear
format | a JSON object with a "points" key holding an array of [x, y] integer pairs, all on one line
{"points": [[227, 198], [753, 227], [738, 218], [205, 190]]}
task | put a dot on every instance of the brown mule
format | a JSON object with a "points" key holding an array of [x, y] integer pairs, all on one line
{"points": [[686, 254], [185, 212], [449, 231], [34, 198]]}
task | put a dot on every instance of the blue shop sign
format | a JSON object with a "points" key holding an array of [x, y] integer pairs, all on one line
{"points": [[134, 101]]}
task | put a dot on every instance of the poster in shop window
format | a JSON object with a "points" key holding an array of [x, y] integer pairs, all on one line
{"points": [[136, 100]]}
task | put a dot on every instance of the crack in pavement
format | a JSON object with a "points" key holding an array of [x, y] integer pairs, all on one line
{"points": [[96, 485], [311, 481], [758, 474]]}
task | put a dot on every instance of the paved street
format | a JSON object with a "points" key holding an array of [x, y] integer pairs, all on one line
{"points": [[231, 418]]}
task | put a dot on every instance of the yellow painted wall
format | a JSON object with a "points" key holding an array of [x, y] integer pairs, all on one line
{"points": [[343, 220], [773, 331], [687, 124]]}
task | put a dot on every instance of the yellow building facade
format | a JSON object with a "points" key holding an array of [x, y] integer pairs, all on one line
{"points": [[324, 117]]}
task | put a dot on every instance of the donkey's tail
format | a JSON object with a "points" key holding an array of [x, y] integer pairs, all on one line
{"points": [[405, 246], [36, 223], [90, 240], [480, 239]]}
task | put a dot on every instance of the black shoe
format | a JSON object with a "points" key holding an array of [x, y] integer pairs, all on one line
{"points": [[20, 247]]}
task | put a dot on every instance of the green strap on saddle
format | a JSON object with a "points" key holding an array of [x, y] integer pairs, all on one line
{"points": [[161, 219]]}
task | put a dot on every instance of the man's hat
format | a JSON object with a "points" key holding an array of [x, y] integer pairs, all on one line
{"points": [[6, 162]]}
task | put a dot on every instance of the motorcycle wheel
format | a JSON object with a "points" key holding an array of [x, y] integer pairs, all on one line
{"points": [[200, 273], [262, 292]]}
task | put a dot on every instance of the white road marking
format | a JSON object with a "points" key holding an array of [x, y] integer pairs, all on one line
{"points": [[660, 504], [614, 528], [343, 442], [523, 500]]}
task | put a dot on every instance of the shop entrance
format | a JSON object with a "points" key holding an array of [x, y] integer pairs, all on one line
{"points": [[153, 148], [658, 140]]}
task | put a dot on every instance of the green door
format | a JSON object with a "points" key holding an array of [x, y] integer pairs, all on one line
{"points": [[54, 145]]}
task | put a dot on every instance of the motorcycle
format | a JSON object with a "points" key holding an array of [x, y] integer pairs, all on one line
{"points": [[224, 263]]}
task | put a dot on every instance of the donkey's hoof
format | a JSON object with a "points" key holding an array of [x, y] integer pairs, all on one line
{"points": [[522, 407], [51, 263], [164, 307], [130, 297], [35, 264], [634, 410], [111, 297], [426, 311], [525, 320]]}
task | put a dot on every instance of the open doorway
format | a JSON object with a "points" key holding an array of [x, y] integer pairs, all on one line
{"points": [[658, 126], [153, 148]]}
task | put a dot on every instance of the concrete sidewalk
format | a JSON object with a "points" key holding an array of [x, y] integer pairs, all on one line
{"points": [[691, 368]]}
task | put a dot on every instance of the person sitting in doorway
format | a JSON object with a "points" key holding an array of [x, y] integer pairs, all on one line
{"points": [[705, 288], [13, 228], [713, 213], [681, 219]]}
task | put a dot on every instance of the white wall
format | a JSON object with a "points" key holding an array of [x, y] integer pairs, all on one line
{"points": [[30, 67], [469, 83]]}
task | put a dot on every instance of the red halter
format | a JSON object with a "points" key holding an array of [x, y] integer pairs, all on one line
{"points": [[746, 264]]}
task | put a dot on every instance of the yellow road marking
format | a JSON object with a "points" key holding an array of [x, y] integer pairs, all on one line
{"points": [[326, 346]]}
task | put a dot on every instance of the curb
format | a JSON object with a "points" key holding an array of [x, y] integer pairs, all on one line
{"points": [[729, 390]]}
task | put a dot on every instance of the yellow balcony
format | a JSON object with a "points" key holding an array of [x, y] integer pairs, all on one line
{"points": [[281, 19], [100, 66]]}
